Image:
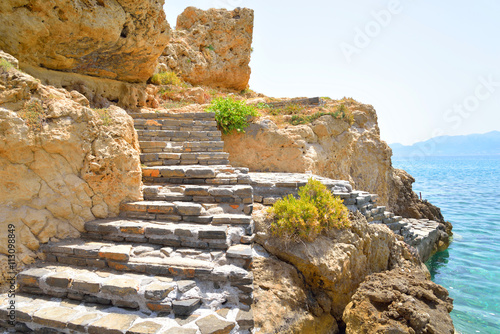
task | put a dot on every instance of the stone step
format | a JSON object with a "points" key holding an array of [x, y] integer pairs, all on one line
{"points": [[198, 116], [196, 174], [178, 136], [67, 316], [232, 194], [181, 147], [188, 212], [176, 124], [178, 263], [192, 158], [165, 234], [132, 291]]}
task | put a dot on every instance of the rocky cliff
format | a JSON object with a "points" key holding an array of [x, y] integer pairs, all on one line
{"points": [[115, 39], [333, 148], [211, 47], [305, 287], [61, 163]]}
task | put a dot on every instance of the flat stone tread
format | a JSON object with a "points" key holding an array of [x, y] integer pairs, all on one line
{"points": [[228, 218], [81, 317], [131, 226], [186, 155], [79, 244], [164, 115]]}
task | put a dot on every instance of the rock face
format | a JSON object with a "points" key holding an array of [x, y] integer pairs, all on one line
{"points": [[320, 277], [283, 302], [61, 163], [332, 148], [399, 302], [211, 47], [100, 92], [115, 39]]}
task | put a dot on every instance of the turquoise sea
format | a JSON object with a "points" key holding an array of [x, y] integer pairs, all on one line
{"points": [[467, 189]]}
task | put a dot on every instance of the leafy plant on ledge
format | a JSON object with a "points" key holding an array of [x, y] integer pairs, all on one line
{"points": [[304, 218], [231, 115]]}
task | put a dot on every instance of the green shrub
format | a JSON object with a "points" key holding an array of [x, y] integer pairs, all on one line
{"points": [[305, 218], [231, 115], [166, 78]]}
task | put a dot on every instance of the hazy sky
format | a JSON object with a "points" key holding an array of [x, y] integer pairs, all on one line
{"points": [[428, 67]]}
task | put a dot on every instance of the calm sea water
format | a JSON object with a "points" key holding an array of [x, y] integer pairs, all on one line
{"points": [[467, 189]]}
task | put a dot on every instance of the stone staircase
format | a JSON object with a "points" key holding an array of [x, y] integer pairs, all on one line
{"points": [[177, 262]]}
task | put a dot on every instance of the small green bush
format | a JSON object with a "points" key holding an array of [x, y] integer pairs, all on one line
{"points": [[231, 115], [305, 218], [166, 78]]}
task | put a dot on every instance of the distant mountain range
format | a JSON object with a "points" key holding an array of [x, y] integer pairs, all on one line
{"points": [[475, 144]]}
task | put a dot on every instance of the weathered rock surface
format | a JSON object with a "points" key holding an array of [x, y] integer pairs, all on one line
{"points": [[328, 270], [332, 148], [115, 39], [399, 301], [283, 301], [61, 163], [211, 47], [100, 92]]}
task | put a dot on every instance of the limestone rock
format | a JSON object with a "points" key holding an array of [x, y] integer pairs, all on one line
{"points": [[211, 47], [100, 92], [282, 300], [334, 264], [116, 39], [332, 148], [399, 302], [61, 163]]}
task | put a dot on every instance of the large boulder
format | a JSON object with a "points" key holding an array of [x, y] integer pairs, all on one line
{"points": [[336, 262], [332, 148], [61, 163], [305, 286], [115, 39], [211, 47], [399, 302]]}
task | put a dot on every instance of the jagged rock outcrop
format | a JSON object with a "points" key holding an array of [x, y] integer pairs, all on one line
{"points": [[61, 163], [115, 39], [312, 282], [211, 47], [399, 301], [332, 148]]}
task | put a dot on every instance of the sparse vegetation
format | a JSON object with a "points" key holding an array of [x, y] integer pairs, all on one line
{"points": [[33, 114], [304, 218], [5, 65], [341, 113], [175, 104], [210, 47], [231, 115], [166, 78], [104, 116]]}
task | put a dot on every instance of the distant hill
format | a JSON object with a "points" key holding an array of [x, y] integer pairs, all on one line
{"points": [[475, 144]]}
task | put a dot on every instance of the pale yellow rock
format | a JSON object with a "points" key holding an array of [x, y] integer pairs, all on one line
{"points": [[211, 47], [119, 39], [45, 167], [336, 262], [332, 148]]}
